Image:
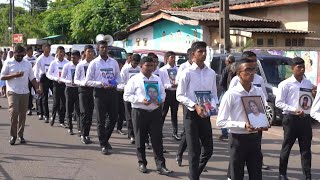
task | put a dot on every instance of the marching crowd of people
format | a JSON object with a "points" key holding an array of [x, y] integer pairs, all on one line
{"points": [[140, 93]]}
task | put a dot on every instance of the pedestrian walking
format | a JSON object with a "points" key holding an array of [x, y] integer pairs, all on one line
{"points": [[17, 72], [29, 57]]}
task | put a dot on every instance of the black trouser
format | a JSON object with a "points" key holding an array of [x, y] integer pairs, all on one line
{"points": [[30, 104], [121, 111], [106, 103], [198, 128], [171, 101], [183, 143], [86, 109], [46, 85], [245, 149], [72, 104], [59, 101], [128, 109], [296, 127], [143, 121]]}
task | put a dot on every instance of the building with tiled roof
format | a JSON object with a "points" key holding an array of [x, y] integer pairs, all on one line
{"points": [[151, 6]]}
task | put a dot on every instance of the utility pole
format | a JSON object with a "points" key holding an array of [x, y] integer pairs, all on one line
{"points": [[224, 27], [11, 22]]}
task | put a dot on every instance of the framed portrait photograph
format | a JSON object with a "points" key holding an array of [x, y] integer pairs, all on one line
{"points": [[305, 100], [255, 111]]}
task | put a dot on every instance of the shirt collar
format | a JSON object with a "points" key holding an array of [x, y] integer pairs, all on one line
{"points": [[144, 77], [294, 80], [194, 66], [240, 88], [104, 59]]}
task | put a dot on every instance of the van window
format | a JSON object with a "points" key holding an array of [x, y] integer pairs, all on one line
{"points": [[119, 54], [276, 70], [215, 64]]}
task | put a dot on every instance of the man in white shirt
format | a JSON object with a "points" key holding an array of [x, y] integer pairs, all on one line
{"points": [[59, 98], [85, 95], [17, 72], [146, 94], [29, 57], [103, 74], [194, 79], [128, 60], [41, 67], [167, 75], [126, 73], [315, 109], [183, 142], [244, 140], [71, 90], [296, 124]]}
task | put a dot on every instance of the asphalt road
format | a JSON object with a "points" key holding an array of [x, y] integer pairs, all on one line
{"points": [[50, 153]]}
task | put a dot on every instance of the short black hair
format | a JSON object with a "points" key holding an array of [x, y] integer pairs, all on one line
{"points": [[136, 57], [60, 48], [296, 61], [19, 49], [168, 54], [75, 53], [240, 62], [146, 59], [151, 54], [198, 45], [45, 45], [189, 54], [29, 48], [87, 47], [102, 42], [248, 54], [129, 54]]}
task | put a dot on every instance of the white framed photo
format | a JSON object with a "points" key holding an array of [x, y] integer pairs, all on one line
{"points": [[255, 111]]}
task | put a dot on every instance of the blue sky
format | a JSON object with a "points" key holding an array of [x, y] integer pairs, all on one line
{"points": [[16, 2]]}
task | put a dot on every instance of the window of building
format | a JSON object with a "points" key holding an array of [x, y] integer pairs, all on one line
{"points": [[294, 42], [242, 41], [237, 41], [259, 42], [138, 41], [145, 41], [270, 42], [288, 42], [301, 42]]}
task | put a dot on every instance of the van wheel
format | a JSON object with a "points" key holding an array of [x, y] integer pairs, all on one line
{"points": [[271, 114]]}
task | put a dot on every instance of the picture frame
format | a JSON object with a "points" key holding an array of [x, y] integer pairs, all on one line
{"points": [[255, 111], [305, 100]]}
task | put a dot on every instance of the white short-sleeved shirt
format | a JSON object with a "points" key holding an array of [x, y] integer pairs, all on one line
{"points": [[18, 85]]}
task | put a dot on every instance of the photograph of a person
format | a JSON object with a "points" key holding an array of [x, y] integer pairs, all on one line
{"points": [[203, 99], [255, 111], [152, 91], [172, 75], [305, 100]]}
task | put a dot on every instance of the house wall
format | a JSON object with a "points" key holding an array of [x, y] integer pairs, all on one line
{"points": [[293, 16], [142, 39], [171, 36]]}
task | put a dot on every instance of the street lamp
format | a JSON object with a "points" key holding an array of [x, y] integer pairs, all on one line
{"points": [[9, 32]]}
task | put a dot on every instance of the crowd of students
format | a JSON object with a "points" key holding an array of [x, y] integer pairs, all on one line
{"points": [[141, 93]]}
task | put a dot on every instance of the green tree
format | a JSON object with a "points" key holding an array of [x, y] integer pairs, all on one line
{"points": [[94, 17]]}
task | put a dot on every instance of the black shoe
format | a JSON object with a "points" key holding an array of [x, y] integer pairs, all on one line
{"points": [[283, 177], [308, 178], [12, 140], [88, 139], [63, 125], [164, 171], [109, 145], [142, 168], [104, 150], [265, 167], [51, 122], [132, 141], [22, 140], [84, 140], [179, 160], [124, 123], [176, 136], [70, 132], [46, 120], [121, 132], [40, 117], [29, 113]]}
